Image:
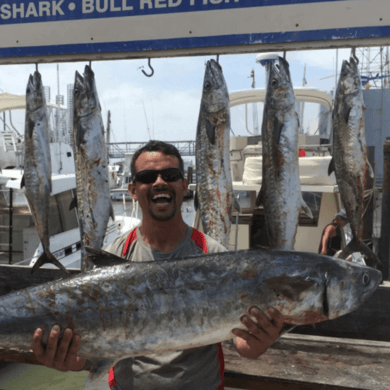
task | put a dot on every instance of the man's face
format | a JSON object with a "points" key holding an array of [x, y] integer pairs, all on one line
{"points": [[340, 222], [161, 199]]}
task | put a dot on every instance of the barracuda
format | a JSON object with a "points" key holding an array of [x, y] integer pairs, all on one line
{"points": [[280, 193], [37, 166], [91, 162], [131, 309], [349, 161], [214, 191]]}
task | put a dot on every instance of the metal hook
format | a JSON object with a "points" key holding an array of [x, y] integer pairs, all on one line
{"points": [[150, 66], [353, 54], [36, 66], [218, 58], [90, 64]]}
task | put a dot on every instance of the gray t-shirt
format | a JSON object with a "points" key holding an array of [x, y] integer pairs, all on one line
{"points": [[195, 368]]}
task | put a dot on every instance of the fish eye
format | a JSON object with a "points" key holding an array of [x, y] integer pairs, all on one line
{"points": [[274, 82], [76, 91], [28, 90], [366, 279], [207, 85]]}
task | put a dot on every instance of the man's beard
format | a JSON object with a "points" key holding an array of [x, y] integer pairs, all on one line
{"points": [[166, 217]]}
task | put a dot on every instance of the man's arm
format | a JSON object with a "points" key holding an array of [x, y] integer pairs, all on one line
{"points": [[261, 333], [63, 356], [329, 232]]}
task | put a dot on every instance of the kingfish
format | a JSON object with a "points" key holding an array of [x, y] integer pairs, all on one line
{"points": [[280, 192], [214, 189], [37, 166], [91, 162], [349, 161], [130, 309]]}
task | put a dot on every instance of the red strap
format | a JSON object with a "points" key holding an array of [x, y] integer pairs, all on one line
{"points": [[200, 240], [111, 378], [221, 367], [130, 239]]}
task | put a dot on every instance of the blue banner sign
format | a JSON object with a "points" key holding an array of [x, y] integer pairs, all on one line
{"points": [[60, 30]]}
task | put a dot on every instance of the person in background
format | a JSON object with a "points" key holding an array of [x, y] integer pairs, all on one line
{"points": [[331, 239], [159, 186]]}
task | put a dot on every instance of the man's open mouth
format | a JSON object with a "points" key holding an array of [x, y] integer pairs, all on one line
{"points": [[162, 198]]}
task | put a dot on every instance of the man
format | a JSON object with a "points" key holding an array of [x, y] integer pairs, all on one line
{"points": [[331, 239], [159, 187]]}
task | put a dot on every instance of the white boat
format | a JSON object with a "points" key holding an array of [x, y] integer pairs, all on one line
{"points": [[319, 190], [19, 240]]}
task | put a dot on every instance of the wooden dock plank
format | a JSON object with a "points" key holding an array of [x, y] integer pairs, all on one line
{"points": [[312, 362]]}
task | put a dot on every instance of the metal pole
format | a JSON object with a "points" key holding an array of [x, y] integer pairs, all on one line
{"points": [[11, 210], [385, 223]]}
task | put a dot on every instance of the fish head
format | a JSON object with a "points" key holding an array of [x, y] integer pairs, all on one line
{"points": [[348, 286], [215, 93], [280, 88], [35, 96], [349, 81], [86, 99]]}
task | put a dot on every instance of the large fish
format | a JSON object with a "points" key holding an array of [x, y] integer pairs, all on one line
{"points": [[37, 166], [280, 193], [350, 154], [132, 309], [91, 162], [214, 189]]}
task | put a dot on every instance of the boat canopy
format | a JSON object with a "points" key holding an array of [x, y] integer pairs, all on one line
{"points": [[302, 94], [9, 101]]}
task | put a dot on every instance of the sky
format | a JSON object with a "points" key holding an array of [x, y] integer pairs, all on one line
{"points": [[166, 105]]}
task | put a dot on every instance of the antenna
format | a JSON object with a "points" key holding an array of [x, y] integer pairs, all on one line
{"points": [[146, 118]]}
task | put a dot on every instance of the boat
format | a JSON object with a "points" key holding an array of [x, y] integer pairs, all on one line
{"points": [[319, 190], [19, 241]]}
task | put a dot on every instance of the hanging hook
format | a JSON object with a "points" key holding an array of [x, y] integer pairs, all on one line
{"points": [[150, 66], [218, 58], [90, 64], [36, 66], [353, 54]]}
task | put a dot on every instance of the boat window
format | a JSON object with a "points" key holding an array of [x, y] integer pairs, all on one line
{"points": [[61, 219], [313, 200]]}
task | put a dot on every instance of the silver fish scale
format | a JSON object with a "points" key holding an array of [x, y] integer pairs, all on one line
{"points": [[37, 161], [91, 161], [141, 308], [214, 181], [349, 145], [282, 199]]}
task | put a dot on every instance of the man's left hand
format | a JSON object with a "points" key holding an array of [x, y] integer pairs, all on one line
{"points": [[261, 333]]}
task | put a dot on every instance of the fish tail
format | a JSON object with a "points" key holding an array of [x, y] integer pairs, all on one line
{"points": [[372, 259], [47, 258]]}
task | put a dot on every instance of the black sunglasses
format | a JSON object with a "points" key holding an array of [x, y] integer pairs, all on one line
{"points": [[149, 176]]}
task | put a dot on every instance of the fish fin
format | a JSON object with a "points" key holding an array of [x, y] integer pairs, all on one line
{"points": [[196, 201], [45, 259], [101, 258], [288, 286], [278, 128], [79, 135], [210, 130], [112, 214], [260, 197], [370, 170], [73, 203], [237, 206], [372, 260], [22, 183], [346, 112], [97, 372], [287, 328], [306, 209], [331, 167]]}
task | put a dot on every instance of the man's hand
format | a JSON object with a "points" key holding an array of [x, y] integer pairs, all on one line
{"points": [[62, 357], [260, 335]]}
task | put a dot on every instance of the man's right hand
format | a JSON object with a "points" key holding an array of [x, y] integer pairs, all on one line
{"points": [[63, 356]]}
